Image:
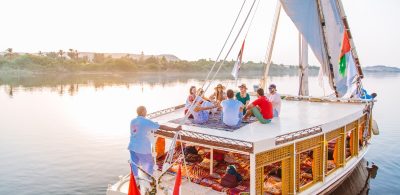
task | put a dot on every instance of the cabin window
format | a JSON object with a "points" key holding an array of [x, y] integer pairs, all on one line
{"points": [[309, 161], [363, 133], [361, 128], [349, 138], [272, 182], [306, 168], [334, 150], [332, 157], [274, 171]]}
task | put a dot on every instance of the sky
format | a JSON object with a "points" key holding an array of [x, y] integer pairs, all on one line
{"points": [[189, 29]]}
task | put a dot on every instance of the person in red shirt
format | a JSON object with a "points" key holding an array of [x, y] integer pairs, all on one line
{"points": [[261, 108]]}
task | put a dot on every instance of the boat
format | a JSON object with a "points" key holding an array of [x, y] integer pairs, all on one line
{"points": [[311, 148]]}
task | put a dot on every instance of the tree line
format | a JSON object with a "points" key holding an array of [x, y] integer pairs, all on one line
{"points": [[71, 61]]}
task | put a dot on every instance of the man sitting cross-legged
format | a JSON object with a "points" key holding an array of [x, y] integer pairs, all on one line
{"points": [[261, 108]]}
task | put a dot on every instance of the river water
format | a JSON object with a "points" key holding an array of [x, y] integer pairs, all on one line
{"points": [[62, 135]]}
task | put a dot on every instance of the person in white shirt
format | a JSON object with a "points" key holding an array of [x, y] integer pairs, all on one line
{"points": [[275, 99], [232, 110]]}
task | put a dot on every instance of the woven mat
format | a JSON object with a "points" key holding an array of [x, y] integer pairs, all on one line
{"points": [[214, 122]]}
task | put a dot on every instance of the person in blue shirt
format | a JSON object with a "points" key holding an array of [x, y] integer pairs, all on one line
{"points": [[364, 94], [360, 92], [140, 142], [232, 110]]}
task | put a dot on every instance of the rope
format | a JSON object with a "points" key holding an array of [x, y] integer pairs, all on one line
{"points": [[247, 32], [169, 157], [252, 18], [220, 65], [226, 41], [230, 49], [172, 147]]}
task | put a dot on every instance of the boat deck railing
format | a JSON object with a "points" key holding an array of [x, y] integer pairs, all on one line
{"points": [[288, 137], [326, 99], [164, 111], [210, 140]]}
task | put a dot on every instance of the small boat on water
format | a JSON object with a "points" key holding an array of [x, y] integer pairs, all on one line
{"points": [[313, 145]]}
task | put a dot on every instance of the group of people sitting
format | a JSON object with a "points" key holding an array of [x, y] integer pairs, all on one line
{"points": [[234, 108]]}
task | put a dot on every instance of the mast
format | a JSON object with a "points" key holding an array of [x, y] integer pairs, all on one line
{"points": [[353, 48], [268, 56], [303, 66]]}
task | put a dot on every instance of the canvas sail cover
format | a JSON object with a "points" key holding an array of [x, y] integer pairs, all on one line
{"points": [[334, 34], [305, 16]]}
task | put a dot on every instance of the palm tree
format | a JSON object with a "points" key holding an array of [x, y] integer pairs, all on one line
{"points": [[76, 54], [71, 54], [9, 52], [61, 53]]}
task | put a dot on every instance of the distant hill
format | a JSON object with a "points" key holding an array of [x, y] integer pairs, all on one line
{"points": [[90, 55], [381, 68]]}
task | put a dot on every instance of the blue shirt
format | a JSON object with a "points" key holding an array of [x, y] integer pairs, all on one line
{"points": [[231, 111], [141, 129], [364, 95]]}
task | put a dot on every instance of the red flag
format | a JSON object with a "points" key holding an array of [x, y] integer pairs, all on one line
{"points": [[346, 47], [346, 44], [238, 63], [178, 181], [133, 189]]}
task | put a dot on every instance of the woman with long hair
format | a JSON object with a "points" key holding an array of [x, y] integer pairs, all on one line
{"points": [[219, 94], [190, 99]]}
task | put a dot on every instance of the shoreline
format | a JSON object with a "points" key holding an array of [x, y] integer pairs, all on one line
{"points": [[194, 73]]}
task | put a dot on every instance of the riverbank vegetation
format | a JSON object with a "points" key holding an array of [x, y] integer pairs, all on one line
{"points": [[71, 62]]}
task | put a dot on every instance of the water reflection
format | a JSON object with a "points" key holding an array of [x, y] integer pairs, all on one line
{"points": [[10, 91], [98, 80], [373, 170], [70, 83], [358, 182]]}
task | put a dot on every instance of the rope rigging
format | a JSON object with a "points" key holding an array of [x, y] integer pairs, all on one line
{"points": [[169, 157]]}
